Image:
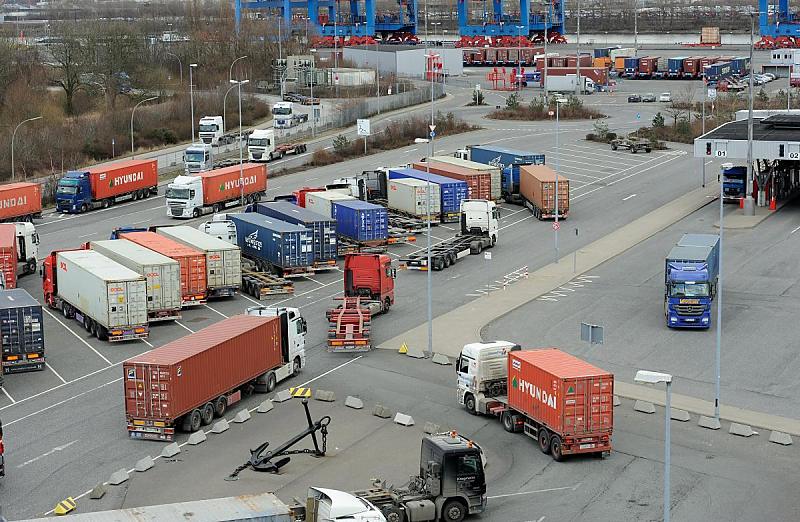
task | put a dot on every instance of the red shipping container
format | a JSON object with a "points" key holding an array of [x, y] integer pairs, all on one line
{"points": [[571, 397], [223, 184], [300, 194], [708, 60], [537, 184], [528, 55], [691, 67], [648, 65], [172, 380], [8, 254], [19, 200], [490, 56], [194, 288], [598, 75], [122, 177], [502, 55], [479, 184]]}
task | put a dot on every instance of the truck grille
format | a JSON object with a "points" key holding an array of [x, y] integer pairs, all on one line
{"points": [[690, 309], [176, 209]]}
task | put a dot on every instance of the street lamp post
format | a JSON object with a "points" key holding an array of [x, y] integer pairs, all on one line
{"points": [[546, 20], [749, 204], [635, 28], [230, 71], [14, 135], [239, 84], [578, 82], [519, 56], [225, 105], [133, 112], [718, 298], [558, 170], [647, 377], [191, 95], [180, 64], [313, 111]]}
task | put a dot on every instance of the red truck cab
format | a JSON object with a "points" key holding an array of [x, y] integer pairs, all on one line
{"points": [[370, 276]]}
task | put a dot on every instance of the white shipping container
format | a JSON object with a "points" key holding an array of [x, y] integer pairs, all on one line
{"points": [[663, 63], [111, 294], [320, 202], [496, 172], [162, 274], [223, 260], [626, 51], [411, 196]]}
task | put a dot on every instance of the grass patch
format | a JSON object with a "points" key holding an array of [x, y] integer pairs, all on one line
{"points": [[540, 108]]}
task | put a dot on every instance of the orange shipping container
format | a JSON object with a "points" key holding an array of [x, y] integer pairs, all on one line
{"points": [[570, 397], [223, 184], [604, 62], [8, 254], [479, 184], [619, 63], [194, 287], [123, 177], [537, 184], [20, 201]]}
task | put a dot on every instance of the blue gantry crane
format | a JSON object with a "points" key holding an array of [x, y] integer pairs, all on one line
{"points": [[775, 19], [487, 18]]}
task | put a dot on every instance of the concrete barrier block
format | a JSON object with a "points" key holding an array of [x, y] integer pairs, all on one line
{"points": [[431, 428], [742, 430], [242, 416], [416, 353], [644, 407], [265, 406], [403, 419], [170, 450], [679, 415], [282, 396], [324, 396], [98, 492], [617, 400], [118, 477], [144, 464], [708, 422], [197, 437], [778, 437], [440, 358], [354, 402], [382, 411], [220, 426]]}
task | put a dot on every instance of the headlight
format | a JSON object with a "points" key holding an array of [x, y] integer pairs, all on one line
{"points": [[673, 319], [705, 319]]}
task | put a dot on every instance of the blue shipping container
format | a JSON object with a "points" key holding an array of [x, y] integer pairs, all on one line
{"points": [[717, 71], [279, 243], [323, 229], [453, 191], [631, 65], [361, 221], [675, 65], [22, 330], [507, 159]]}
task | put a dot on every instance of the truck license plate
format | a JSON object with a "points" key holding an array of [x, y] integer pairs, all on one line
{"points": [[587, 446], [690, 320]]}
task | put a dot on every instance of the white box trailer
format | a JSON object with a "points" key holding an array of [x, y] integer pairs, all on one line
{"points": [[162, 275], [110, 299], [223, 260], [322, 202], [411, 196]]}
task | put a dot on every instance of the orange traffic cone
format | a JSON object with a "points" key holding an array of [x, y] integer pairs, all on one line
{"points": [[772, 204], [741, 202]]}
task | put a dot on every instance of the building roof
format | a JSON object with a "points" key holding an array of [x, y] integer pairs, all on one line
{"points": [[779, 127]]}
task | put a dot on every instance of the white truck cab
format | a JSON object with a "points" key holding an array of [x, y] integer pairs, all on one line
{"points": [[293, 342], [27, 247], [482, 369], [261, 145], [198, 157], [211, 129], [480, 217], [220, 227], [183, 196]]}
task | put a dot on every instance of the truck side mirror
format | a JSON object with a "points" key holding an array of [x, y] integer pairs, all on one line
{"points": [[394, 273], [434, 469]]}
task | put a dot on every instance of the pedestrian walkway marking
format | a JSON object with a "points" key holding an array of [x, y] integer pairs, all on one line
{"points": [[304, 393], [579, 282]]}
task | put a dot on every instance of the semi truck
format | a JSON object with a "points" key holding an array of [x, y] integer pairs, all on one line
{"points": [[734, 179], [105, 185], [568, 84], [20, 201], [479, 230], [22, 331], [208, 371], [368, 291], [564, 403], [537, 186], [509, 160], [109, 299], [223, 260], [162, 275], [261, 146], [198, 157], [322, 228], [212, 191], [691, 271], [275, 246], [211, 130]]}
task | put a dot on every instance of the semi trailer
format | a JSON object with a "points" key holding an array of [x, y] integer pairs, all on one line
{"points": [[22, 331], [20, 201], [105, 185], [201, 193]]}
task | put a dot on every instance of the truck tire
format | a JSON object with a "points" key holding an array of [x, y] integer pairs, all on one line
{"points": [[192, 421], [31, 266], [470, 405], [84, 208], [393, 514], [453, 511], [387, 303], [446, 261], [105, 204], [633, 150], [196, 213], [555, 448], [544, 440], [508, 421], [272, 381], [215, 208], [207, 414], [296, 366], [257, 197], [102, 333], [220, 406], [613, 147]]}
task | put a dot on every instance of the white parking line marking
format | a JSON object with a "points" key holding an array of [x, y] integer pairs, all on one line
{"points": [[47, 454], [81, 339], [64, 401], [145, 341], [217, 311], [629, 197], [55, 372], [184, 326], [314, 281], [548, 490], [7, 395], [795, 230]]}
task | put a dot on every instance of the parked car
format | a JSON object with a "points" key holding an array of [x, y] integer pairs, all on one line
{"points": [[634, 98], [291, 97], [649, 97], [665, 97], [308, 100], [770, 76]]}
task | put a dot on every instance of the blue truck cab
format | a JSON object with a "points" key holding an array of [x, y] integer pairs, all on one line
{"points": [[691, 271], [74, 192], [733, 182]]}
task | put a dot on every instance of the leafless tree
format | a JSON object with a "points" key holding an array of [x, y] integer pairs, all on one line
{"points": [[70, 61]]}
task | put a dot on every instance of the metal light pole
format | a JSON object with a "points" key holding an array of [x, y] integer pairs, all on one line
{"points": [[635, 28], [313, 111], [230, 71], [336, 55], [280, 38], [133, 112], [718, 298], [239, 84], [519, 56], [432, 127], [703, 160], [225, 105], [558, 169], [14, 135], [647, 377], [749, 204], [546, 20], [180, 64], [578, 82], [191, 95]]}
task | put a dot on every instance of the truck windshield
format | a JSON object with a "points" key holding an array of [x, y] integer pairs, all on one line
{"points": [[195, 157], [689, 289], [208, 127], [281, 110], [177, 193], [67, 187], [257, 142]]}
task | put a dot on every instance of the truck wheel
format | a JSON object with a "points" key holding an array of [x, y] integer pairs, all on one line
{"points": [[105, 204], [296, 366], [453, 258], [544, 441], [215, 208], [84, 208], [469, 404], [393, 514], [102, 333], [494, 241], [257, 197], [31, 266], [196, 213], [453, 511], [220, 406], [508, 421], [272, 381], [446, 261], [613, 147], [387, 303], [207, 415], [192, 421], [633, 150], [556, 449]]}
